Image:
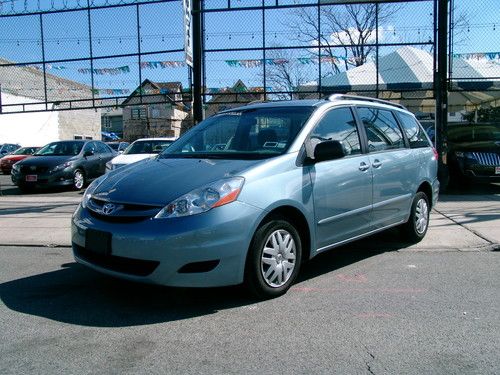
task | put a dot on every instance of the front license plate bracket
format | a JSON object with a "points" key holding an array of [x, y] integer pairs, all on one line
{"points": [[98, 241]]}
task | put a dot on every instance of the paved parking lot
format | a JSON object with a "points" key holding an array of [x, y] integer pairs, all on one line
{"points": [[376, 306]]}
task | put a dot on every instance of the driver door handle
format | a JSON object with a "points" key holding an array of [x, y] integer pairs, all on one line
{"points": [[363, 166]]}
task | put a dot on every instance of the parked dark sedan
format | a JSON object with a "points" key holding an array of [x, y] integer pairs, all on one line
{"points": [[63, 163], [474, 153]]}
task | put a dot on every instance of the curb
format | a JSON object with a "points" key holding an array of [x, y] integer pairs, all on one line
{"points": [[48, 246]]}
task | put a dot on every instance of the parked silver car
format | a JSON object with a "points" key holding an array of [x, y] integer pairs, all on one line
{"points": [[249, 194]]}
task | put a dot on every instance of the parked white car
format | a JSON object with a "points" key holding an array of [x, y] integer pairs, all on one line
{"points": [[138, 150]]}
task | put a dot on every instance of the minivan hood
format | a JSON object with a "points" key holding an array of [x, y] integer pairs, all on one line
{"points": [[160, 181]]}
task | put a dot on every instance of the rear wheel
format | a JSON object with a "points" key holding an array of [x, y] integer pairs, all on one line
{"points": [[78, 179], [415, 228], [274, 259]]}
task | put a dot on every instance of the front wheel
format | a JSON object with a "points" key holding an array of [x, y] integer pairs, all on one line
{"points": [[78, 179], [274, 259], [415, 228]]}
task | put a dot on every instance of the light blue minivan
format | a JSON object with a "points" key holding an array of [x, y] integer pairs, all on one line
{"points": [[249, 194]]}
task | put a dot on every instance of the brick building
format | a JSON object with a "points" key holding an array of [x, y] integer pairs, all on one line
{"points": [[155, 109]]}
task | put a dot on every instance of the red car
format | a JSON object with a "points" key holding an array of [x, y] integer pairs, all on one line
{"points": [[7, 161]]}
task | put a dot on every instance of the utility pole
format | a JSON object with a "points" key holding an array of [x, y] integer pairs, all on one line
{"points": [[441, 82]]}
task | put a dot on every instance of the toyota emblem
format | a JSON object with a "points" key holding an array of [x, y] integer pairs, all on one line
{"points": [[108, 208]]}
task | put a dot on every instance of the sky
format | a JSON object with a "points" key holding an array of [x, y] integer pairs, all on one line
{"points": [[115, 32]]}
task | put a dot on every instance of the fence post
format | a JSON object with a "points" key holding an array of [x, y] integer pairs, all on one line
{"points": [[441, 80], [197, 62]]}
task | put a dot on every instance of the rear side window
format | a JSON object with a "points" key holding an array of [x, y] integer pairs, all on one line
{"points": [[339, 125], [382, 129], [414, 132]]}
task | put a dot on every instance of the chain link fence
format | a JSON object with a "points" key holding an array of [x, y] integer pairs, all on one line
{"points": [[278, 50], [75, 54], [474, 63]]}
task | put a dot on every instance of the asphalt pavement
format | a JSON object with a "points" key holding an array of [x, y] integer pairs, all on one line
{"points": [[375, 306]]}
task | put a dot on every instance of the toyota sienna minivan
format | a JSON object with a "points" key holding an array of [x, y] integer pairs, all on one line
{"points": [[251, 193]]}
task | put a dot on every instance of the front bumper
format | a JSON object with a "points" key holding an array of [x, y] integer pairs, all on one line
{"points": [[480, 173], [155, 250], [47, 179], [6, 169]]}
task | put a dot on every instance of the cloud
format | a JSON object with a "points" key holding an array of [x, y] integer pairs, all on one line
{"points": [[344, 37]]}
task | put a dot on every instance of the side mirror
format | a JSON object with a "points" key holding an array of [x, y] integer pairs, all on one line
{"points": [[328, 150], [88, 153]]}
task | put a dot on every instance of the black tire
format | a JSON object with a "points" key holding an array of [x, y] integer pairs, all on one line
{"points": [[415, 228], [258, 262], [25, 189], [79, 179]]}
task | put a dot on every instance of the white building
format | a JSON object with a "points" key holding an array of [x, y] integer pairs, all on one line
{"points": [[25, 85]]}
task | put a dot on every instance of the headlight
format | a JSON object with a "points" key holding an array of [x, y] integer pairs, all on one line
{"points": [[467, 155], [201, 200], [90, 190], [60, 167], [16, 168]]}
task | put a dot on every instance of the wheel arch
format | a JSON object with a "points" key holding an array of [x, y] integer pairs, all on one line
{"points": [[298, 220], [426, 188]]}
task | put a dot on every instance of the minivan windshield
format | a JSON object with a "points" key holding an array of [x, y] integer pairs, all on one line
{"points": [[242, 134], [64, 148]]}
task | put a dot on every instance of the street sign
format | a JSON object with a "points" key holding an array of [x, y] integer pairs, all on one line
{"points": [[188, 33]]}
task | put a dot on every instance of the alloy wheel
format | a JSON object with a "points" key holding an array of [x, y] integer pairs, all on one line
{"points": [[78, 180]]}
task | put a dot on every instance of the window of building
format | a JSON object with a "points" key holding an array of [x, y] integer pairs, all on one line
{"points": [[138, 113], [78, 136], [106, 122]]}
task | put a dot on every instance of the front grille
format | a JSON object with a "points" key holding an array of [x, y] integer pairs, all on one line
{"points": [[29, 170], [127, 207], [124, 213], [135, 267], [490, 159], [118, 219]]}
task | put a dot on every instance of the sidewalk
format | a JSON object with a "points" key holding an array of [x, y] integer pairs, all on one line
{"points": [[458, 223]]}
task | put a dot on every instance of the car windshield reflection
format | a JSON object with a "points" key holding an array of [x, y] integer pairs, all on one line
{"points": [[68, 148]]}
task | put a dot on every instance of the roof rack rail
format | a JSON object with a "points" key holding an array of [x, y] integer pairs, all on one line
{"points": [[365, 98]]}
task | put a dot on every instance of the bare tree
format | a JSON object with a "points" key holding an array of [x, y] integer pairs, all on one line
{"points": [[285, 73], [348, 32]]}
